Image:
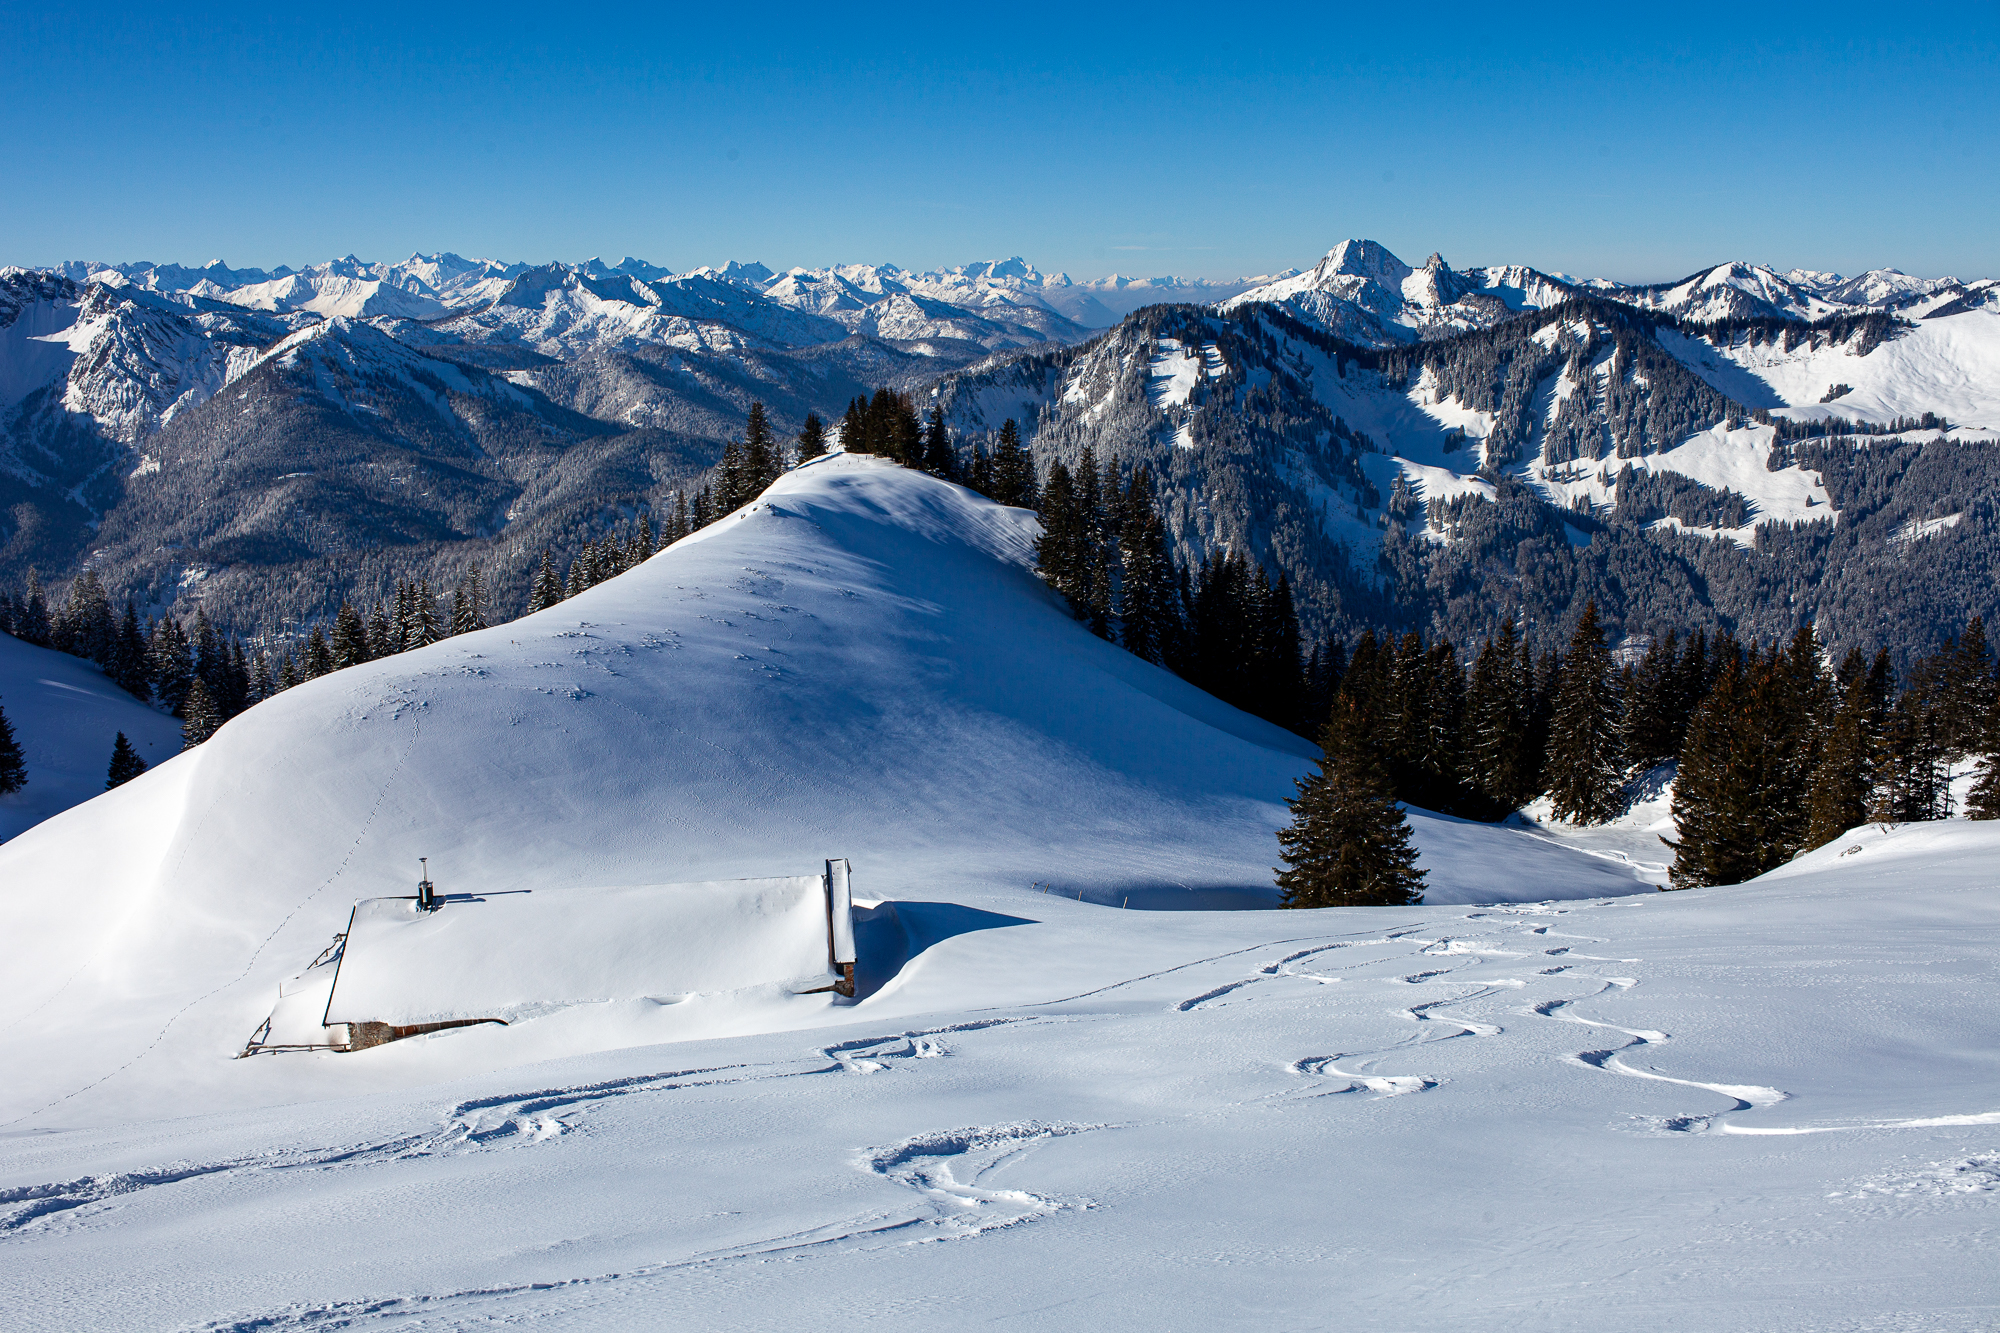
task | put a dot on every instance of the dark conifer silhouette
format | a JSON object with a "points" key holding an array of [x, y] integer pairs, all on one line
{"points": [[1348, 844], [202, 718], [13, 768], [1838, 798], [1586, 749], [812, 438], [125, 763]]}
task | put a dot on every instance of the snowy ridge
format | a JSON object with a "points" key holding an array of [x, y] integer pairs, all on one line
{"points": [[859, 663], [1362, 293]]}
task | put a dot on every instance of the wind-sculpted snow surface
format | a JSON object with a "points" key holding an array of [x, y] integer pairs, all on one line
{"points": [[1767, 1107], [860, 664]]}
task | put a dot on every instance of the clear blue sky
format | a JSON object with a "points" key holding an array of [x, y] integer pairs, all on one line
{"points": [[1211, 139]]}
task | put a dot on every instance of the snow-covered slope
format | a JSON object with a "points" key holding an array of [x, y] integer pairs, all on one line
{"points": [[1771, 1106], [65, 716], [860, 664], [1947, 365]]}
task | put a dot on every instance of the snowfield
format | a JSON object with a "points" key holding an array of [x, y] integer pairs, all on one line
{"points": [[66, 716], [1551, 1098]]}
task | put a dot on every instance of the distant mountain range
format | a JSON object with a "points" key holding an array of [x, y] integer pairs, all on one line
{"points": [[271, 441]]}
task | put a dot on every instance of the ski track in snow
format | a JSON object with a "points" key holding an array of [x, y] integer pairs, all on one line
{"points": [[500, 1121], [943, 1208], [946, 1174]]}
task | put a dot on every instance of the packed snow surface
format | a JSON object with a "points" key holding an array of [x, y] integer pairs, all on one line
{"points": [[66, 716], [1050, 1104]]}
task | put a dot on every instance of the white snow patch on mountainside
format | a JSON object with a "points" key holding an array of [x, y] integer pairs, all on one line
{"points": [[1949, 366]]}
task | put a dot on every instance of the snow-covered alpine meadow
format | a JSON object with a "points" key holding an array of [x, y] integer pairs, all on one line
{"points": [[1079, 1084], [66, 717]]}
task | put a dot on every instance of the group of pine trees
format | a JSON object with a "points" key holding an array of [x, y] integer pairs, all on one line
{"points": [[1783, 755], [1777, 754], [204, 677], [1226, 626]]}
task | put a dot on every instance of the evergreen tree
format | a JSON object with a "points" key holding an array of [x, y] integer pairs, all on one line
{"points": [[1361, 684], [425, 626], [547, 589], [1912, 786], [31, 619], [13, 768], [1796, 702], [812, 440], [350, 638], [125, 763], [201, 718], [1496, 728], [1585, 759], [906, 434], [940, 459], [467, 613], [128, 667], [1059, 553], [732, 486], [262, 683], [854, 427], [1013, 472], [318, 658], [880, 425], [1150, 620], [762, 461], [1653, 701], [1349, 843], [1713, 797], [1838, 798], [1965, 690], [169, 662], [1983, 801]]}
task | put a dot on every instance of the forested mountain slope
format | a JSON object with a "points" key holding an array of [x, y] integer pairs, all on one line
{"points": [[1583, 451]]}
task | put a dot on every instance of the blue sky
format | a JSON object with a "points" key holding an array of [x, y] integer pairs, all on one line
{"points": [[1209, 140]]}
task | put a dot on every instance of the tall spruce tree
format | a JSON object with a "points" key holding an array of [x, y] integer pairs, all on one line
{"points": [[1586, 732], [350, 638], [1965, 690], [1012, 470], [1059, 550], [170, 663], [812, 439], [1496, 728], [128, 663], [201, 718], [125, 763], [1713, 799], [1653, 701], [1348, 844], [13, 768], [1838, 798], [762, 461], [318, 657], [547, 589], [940, 459], [1983, 801], [31, 619], [1150, 619]]}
